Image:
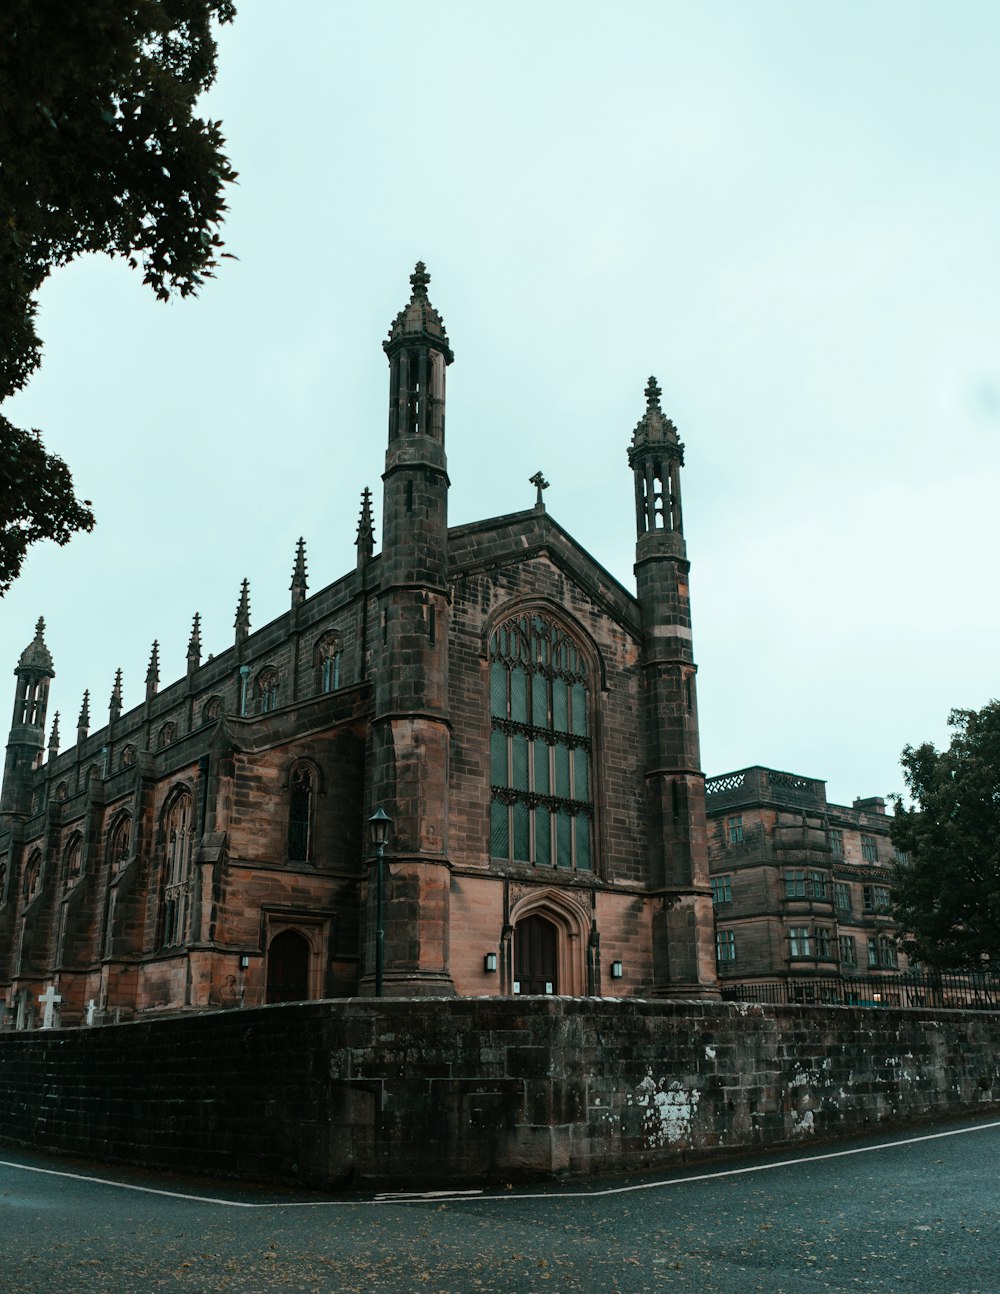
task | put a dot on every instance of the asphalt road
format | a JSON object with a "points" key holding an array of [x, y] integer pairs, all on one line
{"points": [[917, 1212]]}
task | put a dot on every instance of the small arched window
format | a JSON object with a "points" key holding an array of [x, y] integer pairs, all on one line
{"points": [[119, 841], [74, 859], [127, 757], [266, 689], [32, 876], [212, 710], [166, 735], [61, 792], [177, 830], [327, 659], [300, 808]]}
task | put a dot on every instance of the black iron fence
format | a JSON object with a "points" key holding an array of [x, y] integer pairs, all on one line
{"points": [[960, 992]]}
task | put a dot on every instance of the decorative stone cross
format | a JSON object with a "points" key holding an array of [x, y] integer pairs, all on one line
{"points": [[540, 484], [49, 1000], [91, 1011]]}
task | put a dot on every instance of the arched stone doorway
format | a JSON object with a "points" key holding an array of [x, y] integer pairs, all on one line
{"points": [[288, 967], [536, 956]]}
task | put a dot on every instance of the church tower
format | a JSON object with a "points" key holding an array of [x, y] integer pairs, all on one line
{"points": [[26, 742], [411, 729], [677, 844]]}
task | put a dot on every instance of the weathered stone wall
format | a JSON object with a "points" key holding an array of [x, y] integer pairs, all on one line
{"points": [[431, 1091]]}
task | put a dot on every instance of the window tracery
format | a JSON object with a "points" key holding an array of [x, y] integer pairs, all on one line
{"points": [[119, 841], [74, 859], [327, 660], [177, 830], [267, 689], [166, 735], [127, 757], [212, 710], [540, 746], [32, 876]]}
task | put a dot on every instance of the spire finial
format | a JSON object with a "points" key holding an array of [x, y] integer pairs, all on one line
{"points": [[194, 644], [54, 739], [153, 671], [83, 723], [365, 540], [419, 280], [115, 704], [242, 623], [36, 656], [299, 585], [653, 393]]}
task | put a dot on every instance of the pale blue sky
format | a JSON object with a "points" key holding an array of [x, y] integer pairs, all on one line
{"points": [[786, 211]]}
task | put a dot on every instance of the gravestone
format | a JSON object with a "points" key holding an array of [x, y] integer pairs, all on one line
{"points": [[49, 1000]]}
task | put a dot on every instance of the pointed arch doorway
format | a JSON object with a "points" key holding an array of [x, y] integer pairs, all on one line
{"points": [[288, 958], [536, 956]]}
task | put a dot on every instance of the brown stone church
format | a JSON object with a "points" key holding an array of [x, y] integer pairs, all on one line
{"points": [[529, 725]]}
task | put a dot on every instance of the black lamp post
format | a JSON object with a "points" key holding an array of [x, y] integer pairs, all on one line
{"points": [[379, 826]]}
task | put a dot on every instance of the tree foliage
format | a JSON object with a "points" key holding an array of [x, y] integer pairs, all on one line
{"points": [[100, 151], [947, 893]]}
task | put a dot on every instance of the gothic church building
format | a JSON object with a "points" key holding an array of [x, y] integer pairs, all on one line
{"points": [[528, 724]]}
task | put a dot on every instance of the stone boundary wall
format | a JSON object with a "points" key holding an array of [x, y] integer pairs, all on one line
{"points": [[425, 1092]]}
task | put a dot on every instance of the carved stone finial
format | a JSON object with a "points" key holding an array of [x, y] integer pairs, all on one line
{"points": [[194, 644], [115, 704], [153, 671], [242, 623], [653, 393], [299, 584], [83, 723], [36, 657], [540, 484], [365, 540], [54, 739], [419, 279]]}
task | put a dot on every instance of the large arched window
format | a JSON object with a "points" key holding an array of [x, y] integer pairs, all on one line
{"points": [[326, 658], [541, 810], [177, 829], [301, 789]]}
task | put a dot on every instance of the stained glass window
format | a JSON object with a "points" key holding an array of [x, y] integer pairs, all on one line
{"points": [[540, 746]]}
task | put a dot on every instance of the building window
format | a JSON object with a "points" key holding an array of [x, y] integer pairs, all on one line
{"points": [[725, 946], [872, 952], [540, 747], [795, 885], [887, 953], [877, 898], [267, 690], [869, 849], [837, 841], [177, 829], [735, 828], [721, 892], [900, 856], [800, 942], [212, 710], [842, 894], [326, 658], [166, 735], [823, 943], [848, 951], [32, 876], [74, 860], [817, 885], [300, 800], [127, 758], [118, 843]]}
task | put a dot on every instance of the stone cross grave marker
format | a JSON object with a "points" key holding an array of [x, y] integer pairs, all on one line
{"points": [[49, 1000]]}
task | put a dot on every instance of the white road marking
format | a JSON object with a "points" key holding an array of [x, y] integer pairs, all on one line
{"points": [[464, 1197]]}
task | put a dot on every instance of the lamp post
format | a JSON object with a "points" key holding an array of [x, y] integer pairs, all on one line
{"points": [[379, 826]]}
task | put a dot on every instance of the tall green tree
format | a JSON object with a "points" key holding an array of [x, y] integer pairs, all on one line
{"points": [[947, 894], [100, 151]]}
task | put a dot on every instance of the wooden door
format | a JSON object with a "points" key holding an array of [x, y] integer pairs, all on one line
{"points": [[288, 968], [535, 951]]}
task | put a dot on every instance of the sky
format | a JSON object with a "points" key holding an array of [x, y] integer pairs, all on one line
{"points": [[787, 212]]}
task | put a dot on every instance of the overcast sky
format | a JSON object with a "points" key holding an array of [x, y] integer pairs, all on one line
{"points": [[788, 212]]}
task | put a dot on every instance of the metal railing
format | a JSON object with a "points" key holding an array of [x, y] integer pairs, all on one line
{"points": [[958, 992]]}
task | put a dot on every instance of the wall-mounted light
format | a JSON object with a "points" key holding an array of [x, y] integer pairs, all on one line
{"points": [[617, 970], [490, 963], [244, 962]]}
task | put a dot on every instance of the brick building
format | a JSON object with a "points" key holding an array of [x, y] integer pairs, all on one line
{"points": [[480, 683], [801, 888]]}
